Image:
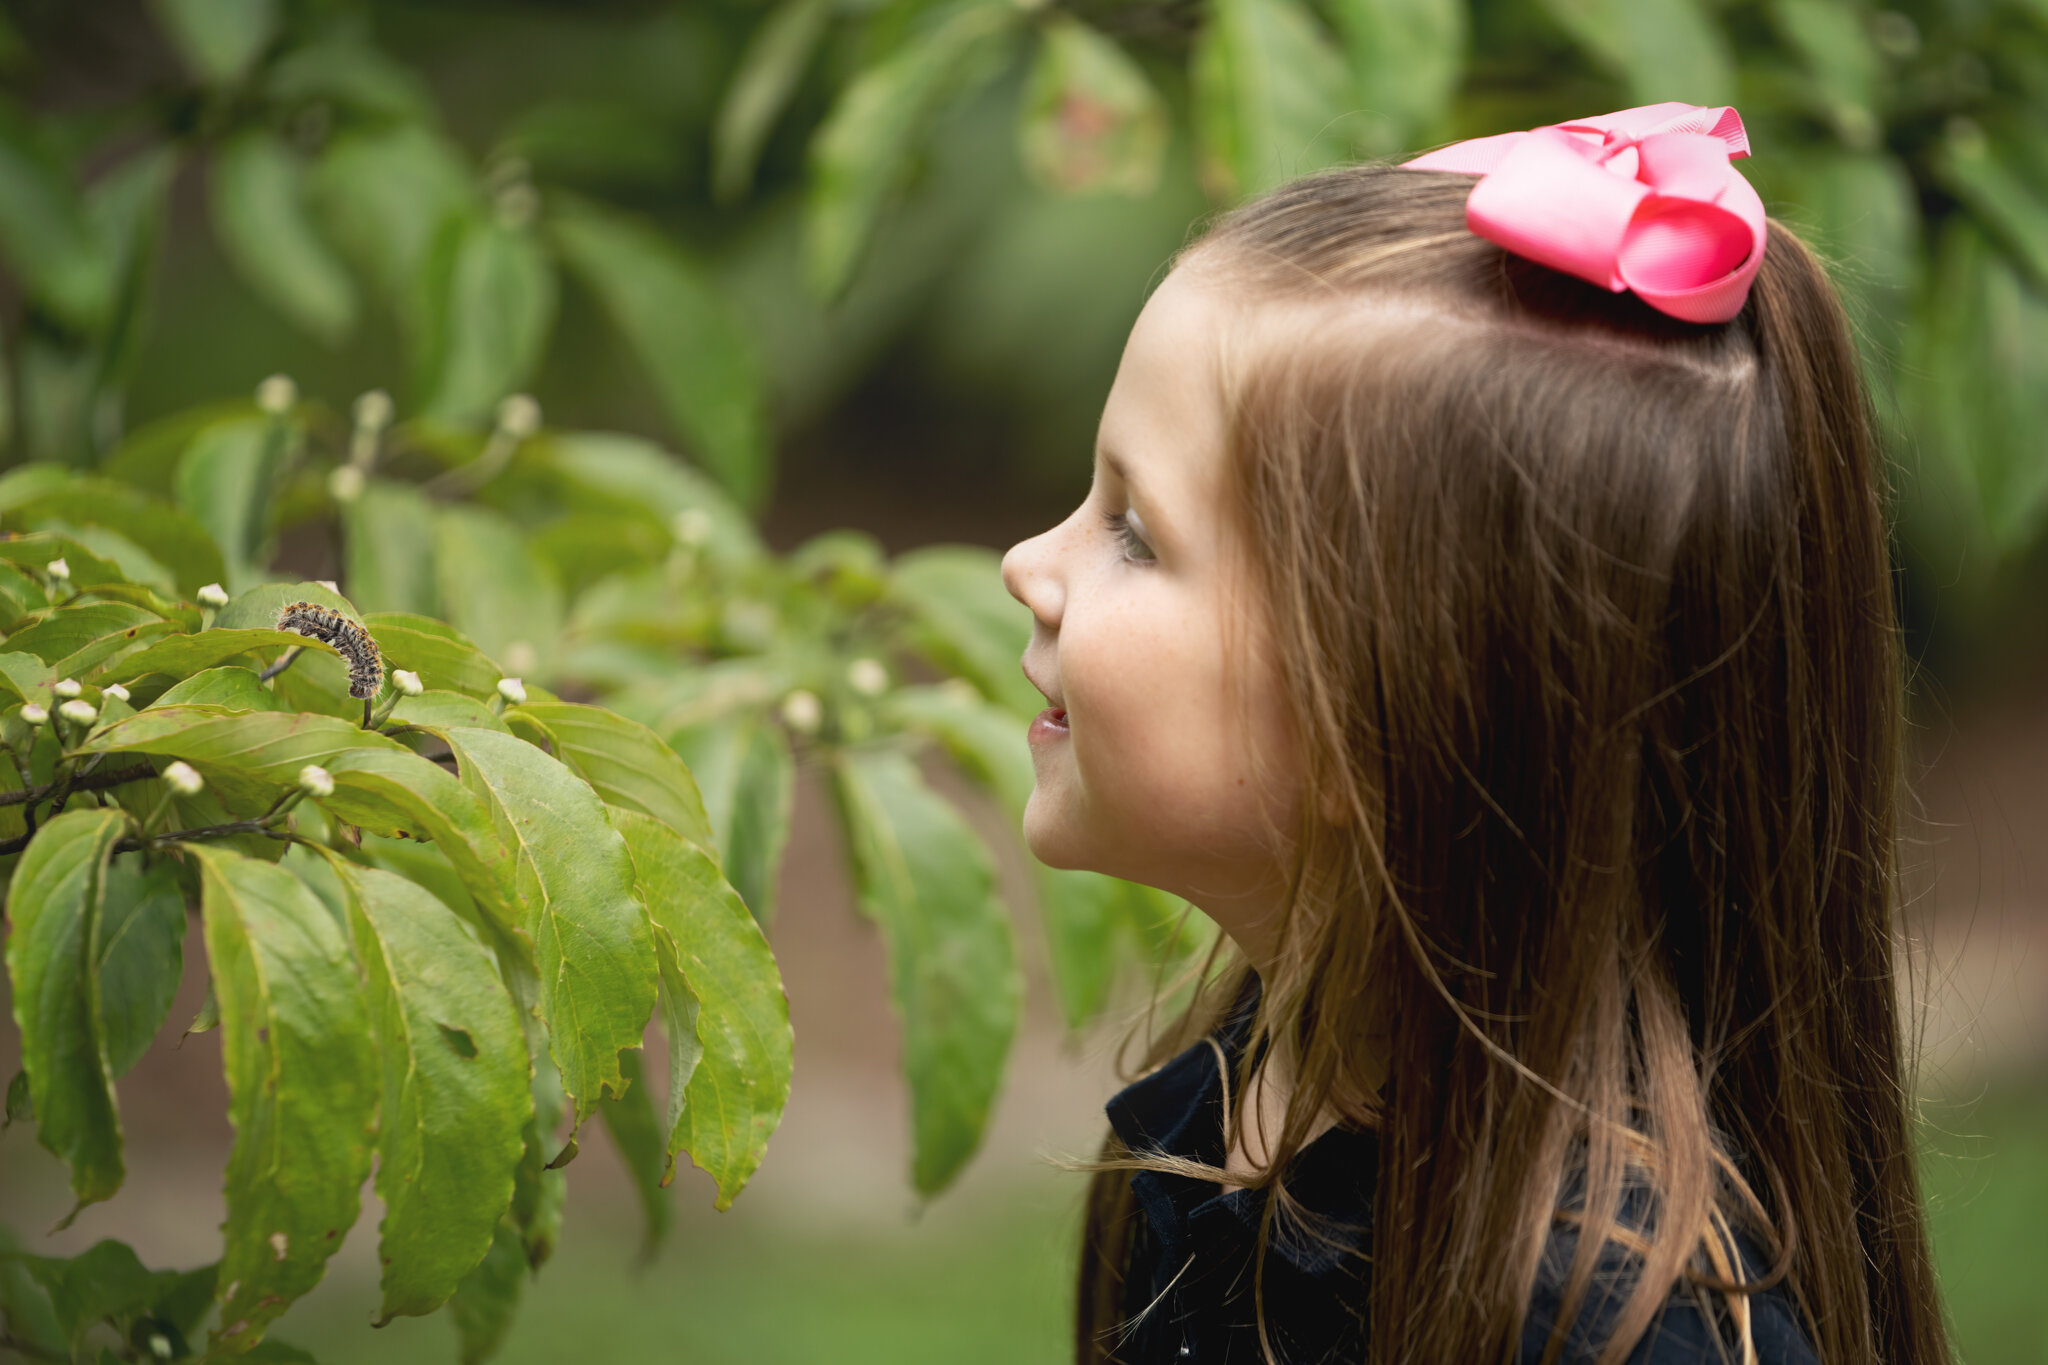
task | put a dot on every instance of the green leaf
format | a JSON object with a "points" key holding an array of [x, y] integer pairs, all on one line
{"points": [[1833, 39], [259, 608], [218, 39], [574, 880], [721, 988], [389, 536], [859, 152], [231, 689], [605, 472], [226, 479], [622, 759], [489, 1295], [44, 230], [1406, 58], [494, 590], [385, 195], [964, 619], [455, 1087], [441, 655], [139, 953], [169, 535], [248, 757], [24, 1303], [687, 338], [107, 1284], [435, 709], [70, 630], [1990, 176], [630, 1121], [53, 913], [490, 304], [21, 675], [302, 1085], [925, 879], [767, 76], [183, 655], [1270, 96], [40, 547], [1091, 120], [262, 219], [1980, 381], [1081, 911], [744, 767], [393, 792], [1660, 49]]}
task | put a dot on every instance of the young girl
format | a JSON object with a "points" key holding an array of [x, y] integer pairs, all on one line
{"points": [[1482, 612]]}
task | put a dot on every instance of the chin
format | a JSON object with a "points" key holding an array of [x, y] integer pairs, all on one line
{"points": [[1050, 836]]}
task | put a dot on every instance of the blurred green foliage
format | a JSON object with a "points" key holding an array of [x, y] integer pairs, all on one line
{"points": [[723, 216]]}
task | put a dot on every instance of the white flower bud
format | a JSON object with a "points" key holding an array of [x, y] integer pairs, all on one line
{"points": [[328, 584], [691, 526], [803, 712], [277, 395], [81, 711], [512, 690], [116, 691], [519, 416], [316, 781], [213, 595], [59, 569], [345, 484], [182, 778], [868, 676], [373, 410], [33, 714], [407, 683], [66, 688], [159, 1345]]}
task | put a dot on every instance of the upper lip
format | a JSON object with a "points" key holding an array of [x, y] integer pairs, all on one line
{"points": [[1058, 705]]}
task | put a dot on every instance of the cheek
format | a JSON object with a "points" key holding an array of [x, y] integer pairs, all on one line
{"points": [[1162, 763]]}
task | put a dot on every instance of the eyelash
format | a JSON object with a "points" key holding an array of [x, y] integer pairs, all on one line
{"points": [[1120, 524]]}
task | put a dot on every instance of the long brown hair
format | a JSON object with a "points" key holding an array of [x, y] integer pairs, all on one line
{"points": [[1585, 614]]}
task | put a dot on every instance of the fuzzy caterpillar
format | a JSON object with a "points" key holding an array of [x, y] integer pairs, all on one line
{"points": [[349, 640]]}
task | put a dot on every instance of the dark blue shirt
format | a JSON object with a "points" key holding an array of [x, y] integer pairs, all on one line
{"points": [[1188, 1284]]}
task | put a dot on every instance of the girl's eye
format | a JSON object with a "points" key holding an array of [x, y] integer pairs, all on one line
{"points": [[1135, 550]]}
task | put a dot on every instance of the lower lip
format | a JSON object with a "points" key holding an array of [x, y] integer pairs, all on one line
{"points": [[1050, 725]]}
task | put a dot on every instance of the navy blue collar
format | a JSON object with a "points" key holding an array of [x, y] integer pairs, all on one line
{"points": [[1178, 1110]]}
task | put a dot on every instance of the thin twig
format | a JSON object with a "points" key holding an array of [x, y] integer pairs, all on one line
{"points": [[284, 661], [88, 782]]}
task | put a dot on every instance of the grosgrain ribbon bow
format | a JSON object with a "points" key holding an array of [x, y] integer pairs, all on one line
{"points": [[1642, 199]]}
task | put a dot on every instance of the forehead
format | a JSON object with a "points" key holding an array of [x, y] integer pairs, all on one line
{"points": [[1164, 419]]}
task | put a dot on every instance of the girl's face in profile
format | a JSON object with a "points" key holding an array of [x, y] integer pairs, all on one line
{"points": [[1152, 778]]}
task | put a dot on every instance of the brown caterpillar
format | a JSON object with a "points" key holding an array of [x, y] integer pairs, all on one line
{"points": [[351, 641]]}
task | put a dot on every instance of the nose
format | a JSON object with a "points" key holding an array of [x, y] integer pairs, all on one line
{"points": [[1029, 575]]}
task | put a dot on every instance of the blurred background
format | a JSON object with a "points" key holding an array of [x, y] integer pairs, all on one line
{"points": [[869, 264]]}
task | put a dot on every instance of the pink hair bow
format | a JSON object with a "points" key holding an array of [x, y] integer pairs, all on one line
{"points": [[1642, 199]]}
